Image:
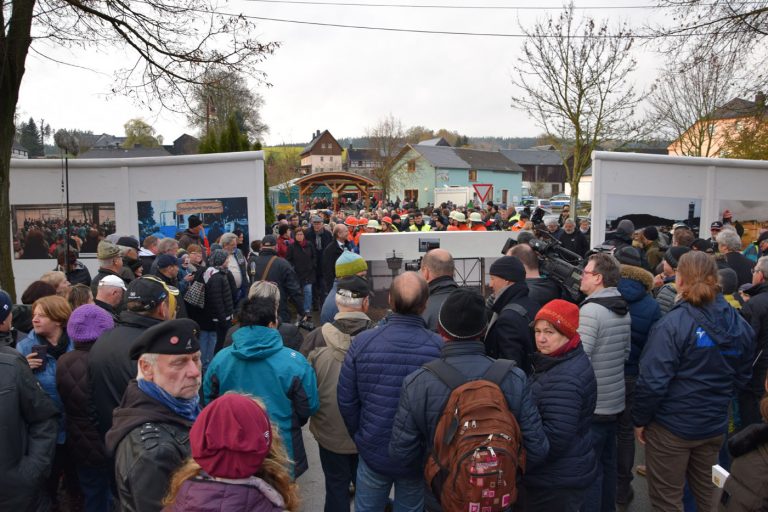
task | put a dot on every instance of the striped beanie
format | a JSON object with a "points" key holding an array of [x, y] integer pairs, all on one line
{"points": [[350, 264]]}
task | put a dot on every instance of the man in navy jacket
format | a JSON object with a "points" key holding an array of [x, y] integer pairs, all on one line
{"points": [[461, 323], [369, 390]]}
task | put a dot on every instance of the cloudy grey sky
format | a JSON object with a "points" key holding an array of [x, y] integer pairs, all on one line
{"points": [[339, 79]]}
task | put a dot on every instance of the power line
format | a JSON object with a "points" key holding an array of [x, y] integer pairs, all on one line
{"points": [[465, 7]]}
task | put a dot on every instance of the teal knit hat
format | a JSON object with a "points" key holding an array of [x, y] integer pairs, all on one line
{"points": [[350, 264]]}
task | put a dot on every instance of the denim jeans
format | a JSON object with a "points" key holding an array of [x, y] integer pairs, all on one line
{"points": [[601, 495], [372, 491], [339, 469], [308, 298], [95, 484], [207, 346]]}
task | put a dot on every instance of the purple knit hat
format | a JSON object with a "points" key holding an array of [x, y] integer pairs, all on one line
{"points": [[88, 322]]}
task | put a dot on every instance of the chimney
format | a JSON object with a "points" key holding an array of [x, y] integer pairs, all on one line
{"points": [[760, 99]]}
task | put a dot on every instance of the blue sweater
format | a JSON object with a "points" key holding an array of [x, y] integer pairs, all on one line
{"points": [[694, 362], [371, 377]]}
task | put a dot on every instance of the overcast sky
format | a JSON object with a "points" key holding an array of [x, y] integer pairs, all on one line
{"points": [[339, 79]]}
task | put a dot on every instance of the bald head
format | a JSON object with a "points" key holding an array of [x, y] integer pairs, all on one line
{"points": [[409, 294], [439, 262]]}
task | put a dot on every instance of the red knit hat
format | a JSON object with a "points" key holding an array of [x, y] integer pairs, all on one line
{"points": [[231, 437], [563, 315]]}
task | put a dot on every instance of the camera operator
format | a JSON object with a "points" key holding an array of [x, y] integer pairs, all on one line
{"points": [[509, 334], [437, 267], [540, 289]]}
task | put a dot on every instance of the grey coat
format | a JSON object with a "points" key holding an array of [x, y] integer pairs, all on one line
{"points": [[666, 297], [606, 334]]}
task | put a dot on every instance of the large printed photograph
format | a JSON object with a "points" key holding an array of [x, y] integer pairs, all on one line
{"points": [[165, 218], [39, 230]]}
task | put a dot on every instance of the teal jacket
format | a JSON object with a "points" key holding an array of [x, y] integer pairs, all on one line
{"points": [[258, 364]]}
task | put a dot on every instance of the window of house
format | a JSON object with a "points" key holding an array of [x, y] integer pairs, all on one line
{"points": [[412, 165], [331, 159], [472, 175], [322, 158], [359, 163]]}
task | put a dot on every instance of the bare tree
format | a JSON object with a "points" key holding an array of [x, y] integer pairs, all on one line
{"points": [[574, 78], [174, 43], [226, 94], [387, 138], [684, 102], [733, 30]]}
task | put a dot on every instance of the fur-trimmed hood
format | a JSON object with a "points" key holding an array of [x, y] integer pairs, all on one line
{"points": [[638, 274], [748, 439]]}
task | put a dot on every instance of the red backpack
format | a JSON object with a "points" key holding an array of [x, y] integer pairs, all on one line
{"points": [[477, 454]]}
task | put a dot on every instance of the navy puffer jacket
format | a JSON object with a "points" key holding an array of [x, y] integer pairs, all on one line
{"points": [[374, 368], [565, 391], [694, 362], [635, 286]]}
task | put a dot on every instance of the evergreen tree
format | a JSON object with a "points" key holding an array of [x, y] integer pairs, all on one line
{"points": [[30, 139]]}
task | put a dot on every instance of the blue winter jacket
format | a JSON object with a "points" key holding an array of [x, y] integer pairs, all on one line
{"points": [[374, 368], [564, 389], [257, 363], [424, 397], [47, 377], [695, 361], [635, 286]]}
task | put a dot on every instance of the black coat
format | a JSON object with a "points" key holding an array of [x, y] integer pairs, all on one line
{"points": [[325, 237], [110, 366], [304, 261], [330, 255], [564, 390], [439, 290], [219, 307], [575, 242], [755, 311], [101, 274], [510, 336], [741, 265], [29, 422], [83, 438], [281, 272], [149, 443]]}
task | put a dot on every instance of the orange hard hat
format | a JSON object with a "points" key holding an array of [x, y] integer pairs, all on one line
{"points": [[388, 220], [351, 221]]}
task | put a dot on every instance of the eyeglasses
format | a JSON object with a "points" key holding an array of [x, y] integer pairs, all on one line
{"points": [[591, 272]]}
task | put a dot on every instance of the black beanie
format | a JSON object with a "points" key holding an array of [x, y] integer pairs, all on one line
{"points": [[628, 256], [509, 268], [651, 233], [463, 315], [672, 256]]}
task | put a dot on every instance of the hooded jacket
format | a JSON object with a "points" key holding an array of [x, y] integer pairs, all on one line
{"points": [[327, 347], [564, 391], [257, 363], [695, 360], [244, 495], [635, 286], [439, 290], [509, 333], [149, 443], [370, 382], [29, 422], [746, 488], [606, 334], [281, 273]]}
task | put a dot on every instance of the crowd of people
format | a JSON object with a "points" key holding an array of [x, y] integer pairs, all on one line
{"points": [[44, 239], [176, 378]]}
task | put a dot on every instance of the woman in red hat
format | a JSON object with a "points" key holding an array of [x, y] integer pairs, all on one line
{"points": [[238, 462], [564, 389]]}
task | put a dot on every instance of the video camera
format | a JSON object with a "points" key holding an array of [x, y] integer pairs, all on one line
{"points": [[557, 262]]}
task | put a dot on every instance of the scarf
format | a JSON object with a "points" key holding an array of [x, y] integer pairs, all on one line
{"points": [[571, 345], [59, 350], [187, 408]]}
